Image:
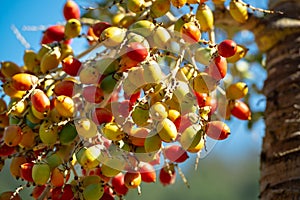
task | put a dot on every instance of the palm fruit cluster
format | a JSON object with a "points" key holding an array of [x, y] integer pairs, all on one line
{"points": [[95, 128]]}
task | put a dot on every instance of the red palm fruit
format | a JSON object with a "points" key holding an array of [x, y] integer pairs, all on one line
{"points": [[136, 51], [54, 33], [148, 173], [23, 81], [40, 101], [190, 32], [182, 122], [132, 179], [217, 130], [6, 150], [71, 65], [71, 10], [176, 153], [62, 193], [118, 184], [65, 87], [37, 191], [203, 99], [92, 94], [218, 68], [167, 176], [133, 97], [127, 63], [26, 171], [102, 115], [227, 48], [240, 110], [92, 38], [108, 194], [99, 27], [57, 177]]}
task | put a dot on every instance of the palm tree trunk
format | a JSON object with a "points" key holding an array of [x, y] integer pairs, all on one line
{"points": [[280, 157]]}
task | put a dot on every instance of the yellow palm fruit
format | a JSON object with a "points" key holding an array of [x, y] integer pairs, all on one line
{"points": [[112, 166], [117, 18], [65, 106], [42, 51], [66, 50], [127, 20], [10, 91], [8, 69], [203, 83], [160, 8], [113, 36], [186, 72], [88, 157], [113, 132], [205, 17], [72, 28], [178, 3], [142, 27], [238, 11], [30, 60], [193, 1], [152, 143], [167, 130], [86, 128], [135, 6], [236, 90], [159, 111], [19, 107], [161, 37], [240, 53], [191, 137], [50, 60]]}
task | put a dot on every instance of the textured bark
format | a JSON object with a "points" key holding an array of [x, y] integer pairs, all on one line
{"points": [[280, 157]]}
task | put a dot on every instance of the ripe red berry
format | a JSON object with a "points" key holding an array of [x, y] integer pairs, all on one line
{"points": [[240, 110], [218, 68], [227, 48], [137, 52], [217, 130], [71, 65], [54, 33], [71, 10], [176, 153], [118, 184], [99, 27]]}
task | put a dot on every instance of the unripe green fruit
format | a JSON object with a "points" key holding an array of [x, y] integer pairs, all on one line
{"points": [[93, 191], [107, 66], [91, 179], [140, 114], [152, 143], [203, 55], [191, 137], [112, 166], [142, 27], [40, 173], [48, 133], [108, 84], [54, 160], [67, 134], [142, 155], [167, 130]]}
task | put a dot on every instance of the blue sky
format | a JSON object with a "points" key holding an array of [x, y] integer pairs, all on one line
{"points": [[37, 13]]}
